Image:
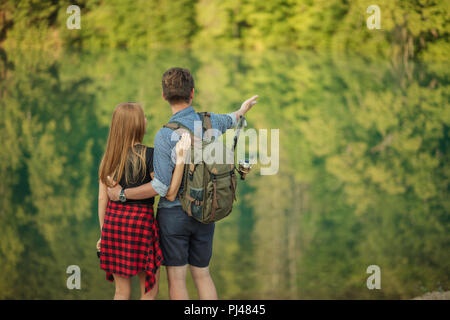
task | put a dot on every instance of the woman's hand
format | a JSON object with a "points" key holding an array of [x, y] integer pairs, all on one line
{"points": [[182, 147], [99, 244]]}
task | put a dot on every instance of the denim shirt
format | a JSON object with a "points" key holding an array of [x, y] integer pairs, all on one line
{"points": [[164, 156]]}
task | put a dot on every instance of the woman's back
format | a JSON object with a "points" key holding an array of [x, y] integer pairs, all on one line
{"points": [[141, 177]]}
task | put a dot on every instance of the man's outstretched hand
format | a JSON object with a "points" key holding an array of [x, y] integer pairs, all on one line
{"points": [[246, 105], [113, 193]]}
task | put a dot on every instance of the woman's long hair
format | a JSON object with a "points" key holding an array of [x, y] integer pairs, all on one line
{"points": [[124, 155]]}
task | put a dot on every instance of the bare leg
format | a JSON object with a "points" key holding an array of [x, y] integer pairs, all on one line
{"points": [[151, 295], [204, 283], [123, 287], [177, 282]]}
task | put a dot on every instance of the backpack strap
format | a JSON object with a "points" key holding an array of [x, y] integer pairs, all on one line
{"points": [[206, 119], [172, 125], [206, 124], [175, 125]]}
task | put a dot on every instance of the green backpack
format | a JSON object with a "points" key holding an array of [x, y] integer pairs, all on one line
{"points": [[209, 185]]}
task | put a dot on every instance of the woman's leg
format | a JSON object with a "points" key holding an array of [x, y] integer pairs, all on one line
{"points": [[123, 287], [151, 295]]}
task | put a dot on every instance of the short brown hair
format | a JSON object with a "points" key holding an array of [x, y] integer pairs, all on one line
{"points": [[177, 85]]}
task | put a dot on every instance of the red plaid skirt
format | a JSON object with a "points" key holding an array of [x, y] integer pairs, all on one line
{"points": [[130, 242]]}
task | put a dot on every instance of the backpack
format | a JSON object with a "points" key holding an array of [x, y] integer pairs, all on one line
{"points": [[209, 185]]}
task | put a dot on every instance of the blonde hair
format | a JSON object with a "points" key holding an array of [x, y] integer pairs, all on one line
{"points": [[124, 154]]}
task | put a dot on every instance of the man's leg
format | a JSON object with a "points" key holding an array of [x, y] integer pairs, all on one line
{"points": [[177, 282], [204, 283], [200, 252], [174, 241]]}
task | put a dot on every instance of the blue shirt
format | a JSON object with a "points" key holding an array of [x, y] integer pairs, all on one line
{"points": [[164, 156]]}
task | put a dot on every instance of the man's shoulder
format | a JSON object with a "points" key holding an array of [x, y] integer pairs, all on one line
{"points": [[164, 137], [163, 132]]}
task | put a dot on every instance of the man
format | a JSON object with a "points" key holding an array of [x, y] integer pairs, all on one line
{"points": [[183, 239]]}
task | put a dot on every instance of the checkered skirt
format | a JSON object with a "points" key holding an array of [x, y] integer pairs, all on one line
{"points": [[130, 242]]}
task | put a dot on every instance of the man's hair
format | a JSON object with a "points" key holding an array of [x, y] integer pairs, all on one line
{"points": [[177, 85]]}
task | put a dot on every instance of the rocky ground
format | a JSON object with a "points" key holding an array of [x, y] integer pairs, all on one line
{"points": [[436, 295]]}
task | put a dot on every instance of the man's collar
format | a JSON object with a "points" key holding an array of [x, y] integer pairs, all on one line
{"points": [[182, 113]]}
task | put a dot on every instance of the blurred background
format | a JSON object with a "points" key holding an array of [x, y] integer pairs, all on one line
{"points": [[364, 139]]}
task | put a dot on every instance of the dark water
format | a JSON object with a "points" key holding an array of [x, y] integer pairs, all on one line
{"points": [[363, 174]]}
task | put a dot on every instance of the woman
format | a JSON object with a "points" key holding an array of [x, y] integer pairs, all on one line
{"points": [[129, 243]]}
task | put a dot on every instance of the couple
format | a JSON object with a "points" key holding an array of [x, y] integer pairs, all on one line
{"points": [[131, 175]]}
